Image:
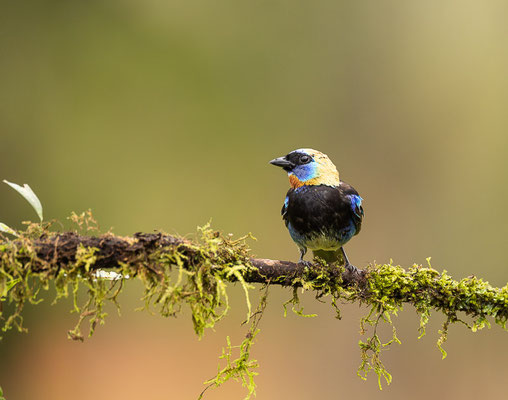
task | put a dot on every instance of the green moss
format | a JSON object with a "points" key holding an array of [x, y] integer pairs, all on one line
{"points": [[242, 368], [388, 287], [196, 274]]}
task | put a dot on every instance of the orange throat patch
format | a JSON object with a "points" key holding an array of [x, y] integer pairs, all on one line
{"points": [[331, 179], [295, 182]]}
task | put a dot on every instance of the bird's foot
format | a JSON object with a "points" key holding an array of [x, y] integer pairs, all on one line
{"points": [[307, 264], [351, 268]]}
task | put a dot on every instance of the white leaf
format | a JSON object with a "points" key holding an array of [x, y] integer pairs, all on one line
{"points": [[29, 196], [109, 275], [6, 229]]}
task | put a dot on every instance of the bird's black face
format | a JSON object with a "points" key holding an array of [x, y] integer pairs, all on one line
{"points": [[292, 160]]}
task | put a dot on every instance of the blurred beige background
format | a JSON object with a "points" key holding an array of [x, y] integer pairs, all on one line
{"points": [[162, 115]]}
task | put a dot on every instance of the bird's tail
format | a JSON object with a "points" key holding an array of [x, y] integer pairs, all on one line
{"points": [[330, 256]]}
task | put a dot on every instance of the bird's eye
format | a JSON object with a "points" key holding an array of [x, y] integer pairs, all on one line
{"points": [[305, 159]]}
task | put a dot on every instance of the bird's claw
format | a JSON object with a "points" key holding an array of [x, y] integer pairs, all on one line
{"points": [[351, 268], [305, 263]]}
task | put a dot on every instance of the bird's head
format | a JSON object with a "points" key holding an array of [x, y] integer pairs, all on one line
{"points": [[308, 167]]}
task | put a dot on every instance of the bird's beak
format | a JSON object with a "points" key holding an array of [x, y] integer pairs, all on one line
{"points": [[282, 162]]}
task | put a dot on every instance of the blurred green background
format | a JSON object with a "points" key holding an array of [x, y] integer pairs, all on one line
{"points": [[162, 115]]}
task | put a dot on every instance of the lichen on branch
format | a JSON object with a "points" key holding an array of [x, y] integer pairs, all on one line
{"points": [[178, 272]]}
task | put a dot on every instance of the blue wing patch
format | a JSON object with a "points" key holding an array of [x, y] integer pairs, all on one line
{"points": [[285, 207], [356, 205]]}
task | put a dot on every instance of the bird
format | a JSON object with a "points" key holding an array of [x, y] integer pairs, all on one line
{"points": [[321, 212]]}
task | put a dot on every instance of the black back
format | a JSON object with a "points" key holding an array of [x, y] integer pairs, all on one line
{"points": [[317, 208]]}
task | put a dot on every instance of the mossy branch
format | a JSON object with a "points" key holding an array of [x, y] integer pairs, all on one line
{"points": [[177, 271]]}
